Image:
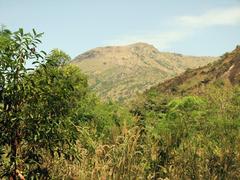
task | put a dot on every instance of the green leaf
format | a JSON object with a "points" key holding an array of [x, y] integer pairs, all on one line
{"points": [[36, 62], [38, 40], [34, 32], [39, 35], [21, 31], [43, 52]]}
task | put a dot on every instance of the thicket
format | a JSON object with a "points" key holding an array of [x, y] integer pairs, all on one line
{"points": [[53, 127]]}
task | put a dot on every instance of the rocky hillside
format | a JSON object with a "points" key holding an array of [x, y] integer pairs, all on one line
{"points": [[224, 72], [119, 72]]}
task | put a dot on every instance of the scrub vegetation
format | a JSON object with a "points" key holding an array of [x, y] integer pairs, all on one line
{"points": [[52, 126]]}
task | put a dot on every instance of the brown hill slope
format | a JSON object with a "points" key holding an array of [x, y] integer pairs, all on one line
{"points": [[225, 71], [119, 72]]}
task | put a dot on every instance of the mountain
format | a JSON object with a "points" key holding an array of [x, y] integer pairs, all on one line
{"points": [[224, 72], [119, 72]]}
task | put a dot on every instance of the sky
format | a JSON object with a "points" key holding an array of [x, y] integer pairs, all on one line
{"points": [[192, 27]]}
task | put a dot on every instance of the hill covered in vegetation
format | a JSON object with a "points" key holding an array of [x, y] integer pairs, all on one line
{"points": [[119, 72], [224, 72]]}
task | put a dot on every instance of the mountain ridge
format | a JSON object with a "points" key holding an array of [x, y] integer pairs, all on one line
{"points": [[223, 72], [119, 72]]}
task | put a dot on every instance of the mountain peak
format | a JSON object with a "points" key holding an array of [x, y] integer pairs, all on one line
{"points": [[140, 44], [148, 48]]}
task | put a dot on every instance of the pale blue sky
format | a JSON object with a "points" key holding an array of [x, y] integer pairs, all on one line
{"points": [[195, 27]]}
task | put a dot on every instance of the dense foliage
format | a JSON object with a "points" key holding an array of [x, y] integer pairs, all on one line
{"points": [[190, 137], [37, 106], [54, 127]]}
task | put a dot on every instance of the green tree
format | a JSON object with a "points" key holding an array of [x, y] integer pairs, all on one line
{"points": [[185, 116], [50, 114], [16, 49], [38, 106], [58, 58]]}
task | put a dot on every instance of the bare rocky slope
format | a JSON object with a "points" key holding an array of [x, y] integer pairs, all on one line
{"points": [[120, 72]]}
